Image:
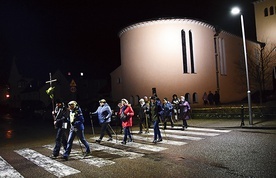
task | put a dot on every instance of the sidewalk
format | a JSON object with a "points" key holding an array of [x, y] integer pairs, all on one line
{"points": [[230, 123]]}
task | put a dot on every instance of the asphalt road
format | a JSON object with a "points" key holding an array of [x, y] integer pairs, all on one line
{"points": [[204, 152]]}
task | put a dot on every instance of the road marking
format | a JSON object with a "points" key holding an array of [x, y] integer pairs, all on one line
{"points": [[114, 151], [91, 160], [177, 136], [191, 133], [7, 171], [50, 165], [205, 129], [153, 148], [165, 141], [198, 129]]}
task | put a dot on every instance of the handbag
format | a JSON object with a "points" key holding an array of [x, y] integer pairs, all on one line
{"points": [[124, 117]]}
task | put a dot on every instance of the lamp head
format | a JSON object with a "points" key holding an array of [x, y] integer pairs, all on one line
{"points": [[235, 11]]}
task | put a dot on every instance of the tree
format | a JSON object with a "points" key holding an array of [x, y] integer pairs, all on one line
{"points": [[261, 63]]}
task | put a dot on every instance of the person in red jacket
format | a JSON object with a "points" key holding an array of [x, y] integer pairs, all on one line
{"points": [[127, 112]]}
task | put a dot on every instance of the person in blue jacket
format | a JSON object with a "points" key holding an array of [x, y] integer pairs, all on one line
{"points": [[167, 114], [104, 116], [77, 129]]}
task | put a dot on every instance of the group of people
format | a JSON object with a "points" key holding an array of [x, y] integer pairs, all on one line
{"points": [[104, 114], [211, 98], [152, 111], [156, 111], [64, 116]]}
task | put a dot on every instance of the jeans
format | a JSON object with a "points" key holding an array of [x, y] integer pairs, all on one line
{"points": [[61, 138], [156, 130], [80, 135], [127, 133]]}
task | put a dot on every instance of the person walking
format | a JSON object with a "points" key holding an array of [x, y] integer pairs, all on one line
{"points": [[142, 115], [77, 129], [175, 104], [126, 113], [167, 114], [60, 114], [104, 116], [184, 111], [155, 112]]}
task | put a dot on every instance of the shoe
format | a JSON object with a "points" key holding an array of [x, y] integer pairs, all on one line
{"points": [[130, 140], [53, 156], [110, 139], [154, 141], [66, 158], [159, 140], [98, 141], [123, 142], [140, 132], [87, 154]]}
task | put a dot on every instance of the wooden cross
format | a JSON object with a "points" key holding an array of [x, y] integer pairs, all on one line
{"points": [[51, 84], [51, 81]]}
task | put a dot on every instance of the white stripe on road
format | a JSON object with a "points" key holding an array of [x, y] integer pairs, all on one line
{"points": [[165, 141], [114, 151], [153, 148], [191, 133], [91, 160], [203, 129], [208, 130], [50, 165], [179, 136], [7, 171]]}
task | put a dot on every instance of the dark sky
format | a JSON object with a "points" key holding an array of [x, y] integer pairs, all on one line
{"points": [[82, 35]]}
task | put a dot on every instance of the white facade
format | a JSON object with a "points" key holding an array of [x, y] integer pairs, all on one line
{"points": [[179, 56]]}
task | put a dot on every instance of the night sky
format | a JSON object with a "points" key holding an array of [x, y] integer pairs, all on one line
{"points": [[82, 35]]}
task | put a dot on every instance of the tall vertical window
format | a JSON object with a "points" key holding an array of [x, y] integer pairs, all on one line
{"points": [[222, 57], [265, 12], [184, 52], [271, 10], [191, 51]]}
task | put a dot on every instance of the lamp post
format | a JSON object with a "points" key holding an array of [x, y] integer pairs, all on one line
{"points": [[235, 11]]}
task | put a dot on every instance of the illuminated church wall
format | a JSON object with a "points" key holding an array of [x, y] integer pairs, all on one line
{"points": [[153, 55]]}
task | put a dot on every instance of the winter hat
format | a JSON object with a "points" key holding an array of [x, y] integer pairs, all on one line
{"points": [[125, 100], [102, 101]]}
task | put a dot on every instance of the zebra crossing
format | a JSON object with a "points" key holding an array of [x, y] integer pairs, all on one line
{"points": [[142, 144]]}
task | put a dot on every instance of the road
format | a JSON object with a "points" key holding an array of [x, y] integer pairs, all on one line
{"points": [[196, 152]]}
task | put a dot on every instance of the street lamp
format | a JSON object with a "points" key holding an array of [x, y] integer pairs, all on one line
{"points": [[236, 11]]}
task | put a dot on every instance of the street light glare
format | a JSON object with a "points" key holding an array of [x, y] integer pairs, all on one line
{"points": [[235, 10]]}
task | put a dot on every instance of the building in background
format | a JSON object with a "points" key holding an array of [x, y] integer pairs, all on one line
{"points": [[186, 57]]}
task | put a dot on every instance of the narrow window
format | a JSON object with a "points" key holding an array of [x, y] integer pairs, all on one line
{"points": [[222, 57], [271, 10], [191, 51], [187, 97], [195, 98], [184, 52], [265, 12]]}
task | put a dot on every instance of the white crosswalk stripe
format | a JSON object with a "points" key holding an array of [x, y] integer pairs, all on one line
{"points": [[165, 141], [185, 132], [142, 142], [7, 171], [114, 151], [177, 136], [50, 165], [143, 146], [91, 160]]}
